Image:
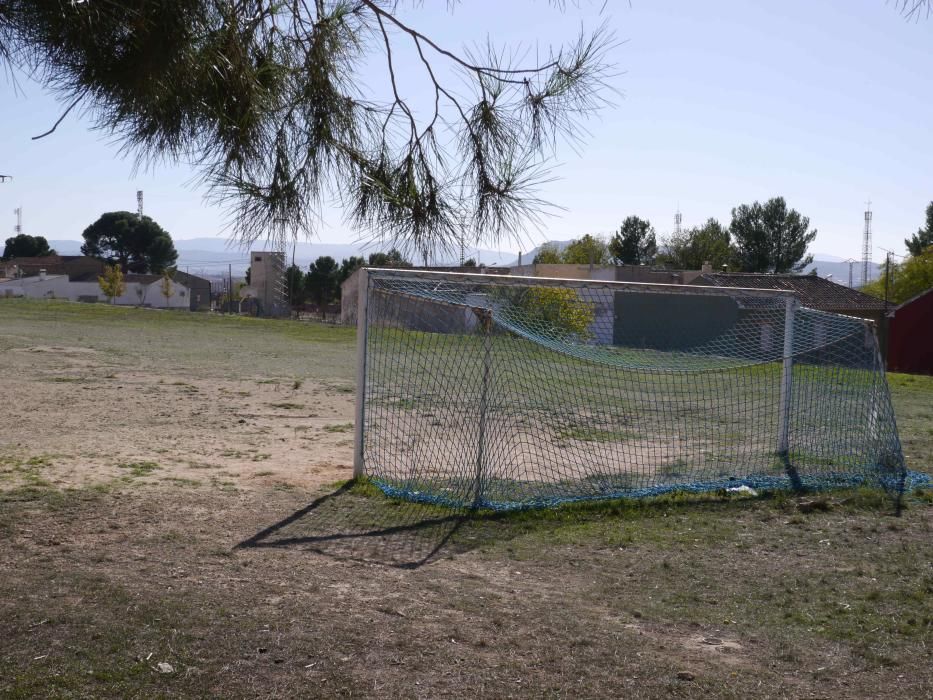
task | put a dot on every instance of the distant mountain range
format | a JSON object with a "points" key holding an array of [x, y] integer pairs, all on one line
{"points": [[212, 257]]}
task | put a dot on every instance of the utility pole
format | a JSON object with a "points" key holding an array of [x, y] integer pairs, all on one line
{"points": [[851, 262], [866, 246], [887, 279], [230, 292]]}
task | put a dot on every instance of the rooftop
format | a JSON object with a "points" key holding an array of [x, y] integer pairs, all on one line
{"points": [[813, 291]]}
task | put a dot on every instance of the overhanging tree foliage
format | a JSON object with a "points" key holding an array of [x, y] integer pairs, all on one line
{"points": [[137, 244], [25, 246], [770, 237], [264, 96]]}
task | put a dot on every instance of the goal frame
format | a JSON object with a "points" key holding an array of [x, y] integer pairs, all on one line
{"points": [[791, 304]]}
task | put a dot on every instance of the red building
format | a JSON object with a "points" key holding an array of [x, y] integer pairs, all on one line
{"points": [[910, 335]]}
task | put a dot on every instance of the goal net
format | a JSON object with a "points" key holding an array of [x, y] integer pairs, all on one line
{"points": [[504, 392]]}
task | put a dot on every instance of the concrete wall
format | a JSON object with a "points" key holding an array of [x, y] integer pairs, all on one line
{"points": [[349, 297]]}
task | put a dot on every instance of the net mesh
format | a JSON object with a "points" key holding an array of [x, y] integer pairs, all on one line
{"points": [[505, 393]]}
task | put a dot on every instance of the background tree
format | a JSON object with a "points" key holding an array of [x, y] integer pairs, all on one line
{"points": [[322, 282], [548, 254], [267, 95], [137, 244], [560, 309], [391, 259], [770, 237], [247, 274], [295, 286], [469, 262], [586, 250], [111, 282], [905, 280], [924, 236], [634, 243], [25, 246], [695, 246], [348, 266]]}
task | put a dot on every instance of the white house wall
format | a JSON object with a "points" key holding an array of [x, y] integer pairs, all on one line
{"points": [[60, 287]]}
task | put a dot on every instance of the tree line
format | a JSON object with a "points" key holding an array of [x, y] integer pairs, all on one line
{"points": [[132, 242], [321, 283], [762, 237]]}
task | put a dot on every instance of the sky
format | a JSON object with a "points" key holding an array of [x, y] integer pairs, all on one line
{"points": [[716, 104]]}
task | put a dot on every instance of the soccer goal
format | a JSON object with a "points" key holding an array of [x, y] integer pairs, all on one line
{"points": [[503, 392]]}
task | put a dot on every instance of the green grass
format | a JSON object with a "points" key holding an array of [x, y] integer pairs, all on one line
{"points": [[202, 344], [913, 406], [143, 468]]}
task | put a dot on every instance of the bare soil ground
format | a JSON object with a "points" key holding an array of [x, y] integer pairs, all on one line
{"points": [[170, 526]]}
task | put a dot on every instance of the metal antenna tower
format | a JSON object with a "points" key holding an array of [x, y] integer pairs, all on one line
{"points": [[19, 220], [139, 203], [678, 222], [866, 246]]}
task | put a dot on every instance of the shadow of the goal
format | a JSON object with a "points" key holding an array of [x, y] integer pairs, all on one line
{"points": [[358, 523]]}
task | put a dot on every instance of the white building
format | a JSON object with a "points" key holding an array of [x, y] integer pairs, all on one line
{"points": [[141, 290]]}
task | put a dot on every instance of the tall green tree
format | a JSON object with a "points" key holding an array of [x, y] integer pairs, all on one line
{"points": [[269, 95], [585, 250], [137, 244], [924, 236], [693, 247], [25, 246], [548, 254], [294, 286], [634, 243], [350, 265], [770, 237], [905, 280], [322, 282]]}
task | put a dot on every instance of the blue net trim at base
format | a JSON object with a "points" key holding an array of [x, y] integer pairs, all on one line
{"points": [[818, 482]]}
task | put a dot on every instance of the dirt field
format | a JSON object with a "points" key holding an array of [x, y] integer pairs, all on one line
{"points": [[171, 525]]}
